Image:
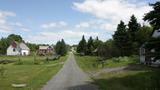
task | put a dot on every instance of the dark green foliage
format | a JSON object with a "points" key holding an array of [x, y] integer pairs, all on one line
{"points": [[90, 46], [108, 49], [133, 28], [144, 34], [82, 46], [61, 48], [97, 43], [3, 45], [14, 37], [121, 39], [33, 47], [153, 17]]}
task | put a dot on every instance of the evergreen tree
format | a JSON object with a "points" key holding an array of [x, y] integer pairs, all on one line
{"points": [[82, 46], [133, 28], [61, 48], [58, 48], [121, 39], [90, 46], [97, 43], [153, 17]]}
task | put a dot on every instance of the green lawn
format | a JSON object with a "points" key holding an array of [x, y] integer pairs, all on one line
{"points": [[146, 79], [139, 77], [91, 63], [34, 75]]}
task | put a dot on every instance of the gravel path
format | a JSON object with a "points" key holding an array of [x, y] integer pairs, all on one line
{"points": [[70, 77]]}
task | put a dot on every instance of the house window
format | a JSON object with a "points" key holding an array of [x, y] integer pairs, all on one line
{"points": [[14, 49]]}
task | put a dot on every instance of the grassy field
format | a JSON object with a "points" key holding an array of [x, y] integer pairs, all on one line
{"points": [[90, 63], [34, 75], [145, 79], [138, 77]]}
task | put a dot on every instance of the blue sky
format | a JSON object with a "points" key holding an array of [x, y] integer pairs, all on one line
{"points": [[47, 21]]}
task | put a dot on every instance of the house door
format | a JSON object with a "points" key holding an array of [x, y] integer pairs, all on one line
{"points": [[24, 53]]}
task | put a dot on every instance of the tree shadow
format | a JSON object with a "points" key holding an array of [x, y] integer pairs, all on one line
{"points": [[87, 86], [149, 80]]}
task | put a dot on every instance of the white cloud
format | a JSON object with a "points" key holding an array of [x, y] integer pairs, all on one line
{"points": [[112, 11], [83, 25], [52, 25], [4, 23], [53, 37]]}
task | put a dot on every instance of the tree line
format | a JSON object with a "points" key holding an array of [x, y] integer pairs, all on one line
{"points": [[127, 39], [60, 48]]}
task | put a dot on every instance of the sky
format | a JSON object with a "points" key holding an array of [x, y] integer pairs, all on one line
{"points": [[47, 21]]}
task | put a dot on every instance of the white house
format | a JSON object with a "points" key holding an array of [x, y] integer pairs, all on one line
{"points": [[143, 58], [18, 49]]}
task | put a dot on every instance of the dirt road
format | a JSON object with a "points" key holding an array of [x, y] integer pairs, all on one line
{"points": [[70, 77]]}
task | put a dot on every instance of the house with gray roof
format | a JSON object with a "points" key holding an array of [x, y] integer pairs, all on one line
{"points": [[18, 49]]}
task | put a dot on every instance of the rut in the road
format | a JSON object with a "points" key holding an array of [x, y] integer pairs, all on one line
{"points": [[70, 77]]}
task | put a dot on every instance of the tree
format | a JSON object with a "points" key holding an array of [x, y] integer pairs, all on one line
{"points": [[90, 46], [153, 17], [61, 47], [82, 46], [14, 37], [108, 49], [144, 34], [97, 43], [33, 47], [3, 45], [58, 47], [121, 39], [133, 28]]}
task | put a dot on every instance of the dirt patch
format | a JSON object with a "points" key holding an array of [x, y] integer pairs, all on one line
{"points": [[116, 69]]}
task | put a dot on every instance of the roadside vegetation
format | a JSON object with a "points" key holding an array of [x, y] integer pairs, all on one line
{"points": [[93, 63], [138, 78], [103, 60], [134, 77], [29, 73]]}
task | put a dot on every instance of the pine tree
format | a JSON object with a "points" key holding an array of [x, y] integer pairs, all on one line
{"points": [[133, 28], [58, 48], [61, 48], [82, 46], [90, 46], [97, 43], [121, 39], [153, 17]]}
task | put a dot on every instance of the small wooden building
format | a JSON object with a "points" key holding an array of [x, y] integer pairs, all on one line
{"points": [[46, 50]]}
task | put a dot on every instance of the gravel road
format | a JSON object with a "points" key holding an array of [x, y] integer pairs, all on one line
{"points": [[70, 77]]}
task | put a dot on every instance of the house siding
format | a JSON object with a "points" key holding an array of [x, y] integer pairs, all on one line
{"points": [[11, 52]]}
